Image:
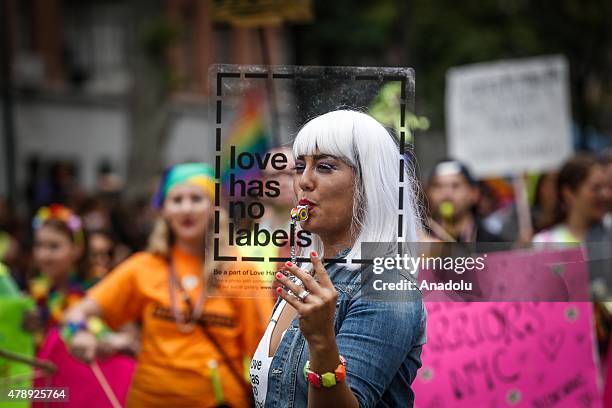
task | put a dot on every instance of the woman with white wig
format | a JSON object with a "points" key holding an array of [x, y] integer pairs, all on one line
{"points": [[334, 344]]}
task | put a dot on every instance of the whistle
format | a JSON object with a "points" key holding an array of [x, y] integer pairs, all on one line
{"points": [[299, 213], [447, 210]]}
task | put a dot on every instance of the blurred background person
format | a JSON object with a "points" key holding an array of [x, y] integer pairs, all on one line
{"points": [[607, 163], [11, 252], [101, 250], [487, 208], [602, 231], [580, 201], [543, 210], [58, 185], [194, 340], [452, 195], [545, 201], [60, 261]]}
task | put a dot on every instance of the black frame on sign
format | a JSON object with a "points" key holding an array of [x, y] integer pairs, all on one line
{"points": [[219, 73]]}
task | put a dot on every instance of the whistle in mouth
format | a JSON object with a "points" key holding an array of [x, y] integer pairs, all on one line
{"points": [[299, 213], [447, 210]]}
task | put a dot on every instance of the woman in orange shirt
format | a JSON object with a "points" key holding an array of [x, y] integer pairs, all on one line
{"points": [[193, 346]]}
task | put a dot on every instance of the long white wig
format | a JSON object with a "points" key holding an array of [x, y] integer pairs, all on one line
{"points": [[374, 155]]}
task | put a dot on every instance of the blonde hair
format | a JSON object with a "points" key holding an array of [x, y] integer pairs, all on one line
{"points": [[162, 239]]}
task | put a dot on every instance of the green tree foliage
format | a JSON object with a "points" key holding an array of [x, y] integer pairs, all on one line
{"points": [[347, 32], [434, 35]]}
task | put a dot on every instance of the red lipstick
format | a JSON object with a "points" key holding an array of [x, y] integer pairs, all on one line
{"points": [[307, 202]]}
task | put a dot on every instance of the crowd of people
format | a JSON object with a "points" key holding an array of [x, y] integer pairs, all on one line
{"points": [[572, 204], [142, 273]]}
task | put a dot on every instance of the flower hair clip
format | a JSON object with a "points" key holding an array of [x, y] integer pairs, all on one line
{"points": [[60, 213]]}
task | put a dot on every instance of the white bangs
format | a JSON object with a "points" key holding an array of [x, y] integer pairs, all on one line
{"points": [[331, 134]]}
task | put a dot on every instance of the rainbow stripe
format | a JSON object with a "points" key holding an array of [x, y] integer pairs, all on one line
{"points": [[249, 134]]}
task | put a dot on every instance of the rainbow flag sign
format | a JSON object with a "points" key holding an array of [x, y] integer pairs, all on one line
{"points": [[248, 134]]}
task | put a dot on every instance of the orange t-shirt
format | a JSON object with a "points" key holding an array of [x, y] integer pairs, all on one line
{"points": [[173, 367]]}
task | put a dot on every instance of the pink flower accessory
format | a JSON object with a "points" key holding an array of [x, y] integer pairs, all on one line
{"points": [[61, 213]]}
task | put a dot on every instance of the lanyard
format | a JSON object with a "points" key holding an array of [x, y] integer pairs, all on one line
{"points": [[193, 313]]}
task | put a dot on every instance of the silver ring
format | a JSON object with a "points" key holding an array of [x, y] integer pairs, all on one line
{"points": [[303, 294]]}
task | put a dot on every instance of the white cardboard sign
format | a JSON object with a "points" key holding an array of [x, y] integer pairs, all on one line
{"points": [[509, 117]]}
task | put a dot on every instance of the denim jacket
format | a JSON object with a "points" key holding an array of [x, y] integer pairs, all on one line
{"points": [[381, 341]]}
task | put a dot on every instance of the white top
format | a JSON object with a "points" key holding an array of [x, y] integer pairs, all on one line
{"points": [[260, 364]]}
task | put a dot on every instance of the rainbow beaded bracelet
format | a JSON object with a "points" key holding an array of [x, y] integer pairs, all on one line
{"points": [[71, 328], [328, 379], [94, 325]]}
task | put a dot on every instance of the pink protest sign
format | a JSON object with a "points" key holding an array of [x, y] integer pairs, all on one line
{"points": [[552, 275], [541, 275], [508, 354], [83, 387]]}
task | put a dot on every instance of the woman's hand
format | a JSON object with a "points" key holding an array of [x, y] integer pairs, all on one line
{"points": [[83, 346], [116, 342], [317, 309], [316, 312]]}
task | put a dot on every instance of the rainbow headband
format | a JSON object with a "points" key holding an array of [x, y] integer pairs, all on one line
{"points": [[199, 174], [63, 214]]}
